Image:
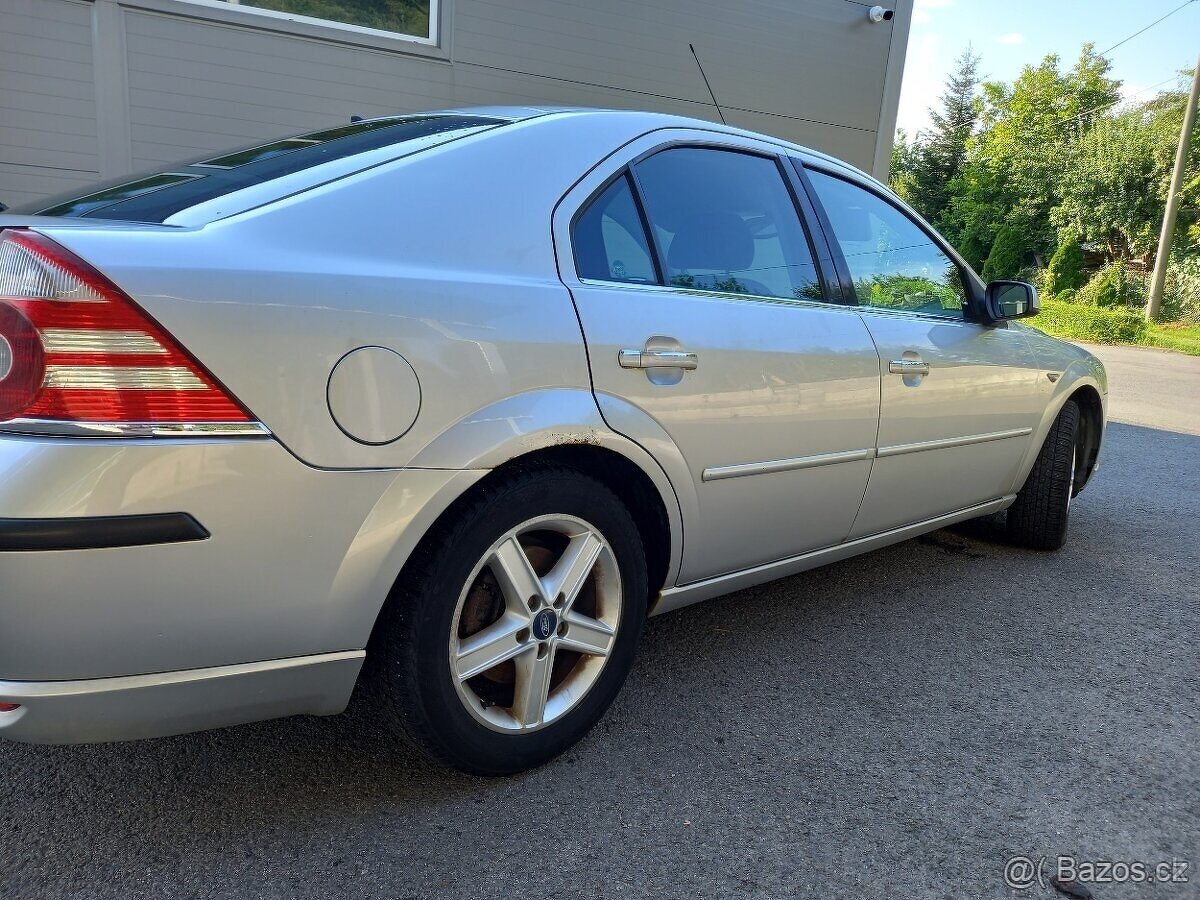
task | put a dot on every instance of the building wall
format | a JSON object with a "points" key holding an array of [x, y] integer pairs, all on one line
{"points": [[100, 88]]}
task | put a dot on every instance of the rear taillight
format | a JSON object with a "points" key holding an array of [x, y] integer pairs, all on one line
{"points": [[78, 356]]}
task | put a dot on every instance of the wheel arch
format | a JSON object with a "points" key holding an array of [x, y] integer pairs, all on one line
{"points": [[1085, 391], [561, 427], [625, 478], [1091, 431]]}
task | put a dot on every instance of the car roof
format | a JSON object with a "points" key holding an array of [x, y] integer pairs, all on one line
{"points": [[182, 201], [654, 120]]}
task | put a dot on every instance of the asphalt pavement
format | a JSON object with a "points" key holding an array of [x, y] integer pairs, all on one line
{"points": [[898, 725]]}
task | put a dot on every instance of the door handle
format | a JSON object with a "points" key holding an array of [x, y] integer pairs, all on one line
{"points": [[649, 359], [908, 367]]}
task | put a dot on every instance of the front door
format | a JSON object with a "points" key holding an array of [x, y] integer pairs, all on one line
{"points": [[959, 399], [701, 306]]}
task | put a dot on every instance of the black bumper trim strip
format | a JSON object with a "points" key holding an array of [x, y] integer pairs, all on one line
{"points": [[99, 532]]}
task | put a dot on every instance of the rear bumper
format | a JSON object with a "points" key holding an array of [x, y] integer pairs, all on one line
{"points": [[296, 563], [145, 706]]}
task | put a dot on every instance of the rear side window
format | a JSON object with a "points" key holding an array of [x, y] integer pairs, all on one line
{"points": [[610, 241], [155, 198], [726, 221]]}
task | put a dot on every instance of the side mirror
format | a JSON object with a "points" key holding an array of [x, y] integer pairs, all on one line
{"points": [[1011, 300]]}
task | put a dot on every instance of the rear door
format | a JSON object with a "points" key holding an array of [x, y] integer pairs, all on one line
{"points": [[959, 398], [705, 318]]}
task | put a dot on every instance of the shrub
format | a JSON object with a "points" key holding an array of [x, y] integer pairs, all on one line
{"points": [[1098, 324], [1112, 286], [1007, 255], [1065, 269], [974, 249], [1181, 300]]}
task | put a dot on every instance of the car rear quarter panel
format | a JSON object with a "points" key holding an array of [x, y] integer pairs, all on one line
{"points": [[292, 566], [444, 257]]}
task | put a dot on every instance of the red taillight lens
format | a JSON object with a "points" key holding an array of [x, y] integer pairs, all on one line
{"points": [[80, 350], [9, 707], [22, 366]]}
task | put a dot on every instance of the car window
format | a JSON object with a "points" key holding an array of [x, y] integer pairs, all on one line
{"points": [[725, 221], [893, 262], [610, 241]]}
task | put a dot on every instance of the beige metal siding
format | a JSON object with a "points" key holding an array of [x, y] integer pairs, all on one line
{"points": [[820, 60], [47, 98], [196, 86], [174, 79]]}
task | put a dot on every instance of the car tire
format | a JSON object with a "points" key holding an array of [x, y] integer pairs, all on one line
{"points": [[454, 595], [1039, 516]]}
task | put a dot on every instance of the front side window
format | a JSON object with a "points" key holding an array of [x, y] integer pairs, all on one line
{"points": [[725, 221], [610, 242], [408, 17], [893, 262]]}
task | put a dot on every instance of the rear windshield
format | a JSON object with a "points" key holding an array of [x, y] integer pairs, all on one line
{"points": [[156, 197]]}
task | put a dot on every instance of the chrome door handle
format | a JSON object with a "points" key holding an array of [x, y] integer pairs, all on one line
{"points": [[908, 367], [648, 359]]}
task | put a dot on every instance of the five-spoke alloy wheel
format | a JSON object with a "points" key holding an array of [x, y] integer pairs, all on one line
{"points": [[535, 623], [516, 622]]}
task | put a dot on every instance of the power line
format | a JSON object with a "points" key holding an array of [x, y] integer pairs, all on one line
{"points": [[1147, 28]]}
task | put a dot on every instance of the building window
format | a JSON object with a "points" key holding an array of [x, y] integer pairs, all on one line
{"points": [[411, 18]]}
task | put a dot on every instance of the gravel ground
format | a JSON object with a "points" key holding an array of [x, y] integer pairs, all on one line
{"points": [[897, 725]]}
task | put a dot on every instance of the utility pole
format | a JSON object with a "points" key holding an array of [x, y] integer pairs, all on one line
{"points": [[1158, 281]]}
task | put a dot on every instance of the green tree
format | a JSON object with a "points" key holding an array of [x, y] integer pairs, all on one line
{"points": [[1007, 256], [939, 156], [900, 175], [1112, 185], [1026, 130], [1064, 272]]}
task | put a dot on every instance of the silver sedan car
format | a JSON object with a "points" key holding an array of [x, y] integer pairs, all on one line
{"points": [[448, 404]]}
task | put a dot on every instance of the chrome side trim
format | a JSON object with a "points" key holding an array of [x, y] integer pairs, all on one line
{"points": [[943, 443], [51, 428], [687, 594], [717, 473]]}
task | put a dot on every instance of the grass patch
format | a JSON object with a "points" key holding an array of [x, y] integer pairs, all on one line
{"points": [[1185, 339], [1113, 325], [1096, 324]]}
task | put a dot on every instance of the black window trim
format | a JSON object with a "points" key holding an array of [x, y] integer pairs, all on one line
{"points": [[830, 289], [971, 283]]}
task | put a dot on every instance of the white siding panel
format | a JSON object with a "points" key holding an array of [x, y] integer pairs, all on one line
{"points": [[47, 98], [176, 85], [815, 59], [197, 86], [24, 184], [490, 86]]}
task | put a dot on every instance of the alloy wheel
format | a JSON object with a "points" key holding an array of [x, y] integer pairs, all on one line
{"points": [[535, 623]]}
